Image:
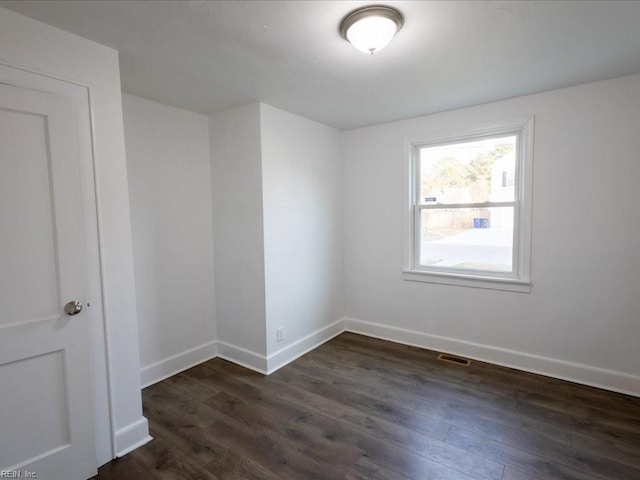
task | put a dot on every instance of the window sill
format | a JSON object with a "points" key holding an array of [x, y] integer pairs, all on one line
{"points": [[461, 280]]}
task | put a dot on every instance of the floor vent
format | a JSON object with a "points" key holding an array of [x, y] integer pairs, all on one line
{"points": [[445, 357]]}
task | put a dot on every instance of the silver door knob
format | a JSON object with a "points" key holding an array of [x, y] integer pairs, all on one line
{"points": [[73, 308]]}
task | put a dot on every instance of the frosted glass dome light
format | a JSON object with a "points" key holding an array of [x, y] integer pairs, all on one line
{"points": [[370, 29]]}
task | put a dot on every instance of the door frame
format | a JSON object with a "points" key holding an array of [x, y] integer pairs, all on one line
{"points": [[102, 382]]}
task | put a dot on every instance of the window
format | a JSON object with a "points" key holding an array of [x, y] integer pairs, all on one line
{"points": [[471, 208]]}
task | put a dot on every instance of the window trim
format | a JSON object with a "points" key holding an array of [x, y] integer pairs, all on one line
{"points": [[520, 279]]}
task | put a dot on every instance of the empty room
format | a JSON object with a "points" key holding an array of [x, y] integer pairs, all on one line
{"points": [[318, 240]]}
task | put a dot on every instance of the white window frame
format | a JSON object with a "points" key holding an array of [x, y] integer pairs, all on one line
{"points": [[519, 280]]}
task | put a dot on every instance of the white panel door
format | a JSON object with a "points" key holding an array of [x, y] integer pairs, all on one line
{"points": [[46, 420]]}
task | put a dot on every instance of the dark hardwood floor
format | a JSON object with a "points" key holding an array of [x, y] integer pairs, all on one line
{"points": [[358, 408]]}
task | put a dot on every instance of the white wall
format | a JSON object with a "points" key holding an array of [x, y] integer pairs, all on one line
{"points": [[581, 319], [276, 181], [238, 233], [302, 202], [41, 48], [169, 175]]}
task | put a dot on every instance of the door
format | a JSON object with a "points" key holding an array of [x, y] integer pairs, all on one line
{"points": [[46, 420]]}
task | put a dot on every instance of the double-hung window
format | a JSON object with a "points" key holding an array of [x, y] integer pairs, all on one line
{"points": [[471, 208]]}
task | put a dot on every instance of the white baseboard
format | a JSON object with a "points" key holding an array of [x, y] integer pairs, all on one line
{"points": [[289, 353], [267, 365], [242, 356], [132, 436], [573, 372], [177, 363]]}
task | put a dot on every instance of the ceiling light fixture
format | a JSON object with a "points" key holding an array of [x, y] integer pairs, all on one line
{"points": [[370, 29]]}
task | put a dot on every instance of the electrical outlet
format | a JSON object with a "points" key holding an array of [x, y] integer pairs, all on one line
{"points": [[279, 334]]}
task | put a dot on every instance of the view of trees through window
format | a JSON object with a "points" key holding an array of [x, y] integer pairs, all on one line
{"points": [[467, 202]]}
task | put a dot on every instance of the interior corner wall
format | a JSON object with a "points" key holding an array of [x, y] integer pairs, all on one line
{"points": [[580, 320], [37, 47], [302, 191], [169, 173], [236, 178]]}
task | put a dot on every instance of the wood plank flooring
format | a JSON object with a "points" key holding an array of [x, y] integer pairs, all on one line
{"points": [[358, 408]]}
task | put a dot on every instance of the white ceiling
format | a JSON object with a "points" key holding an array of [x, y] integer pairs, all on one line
{"points": [[209, 56]]}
